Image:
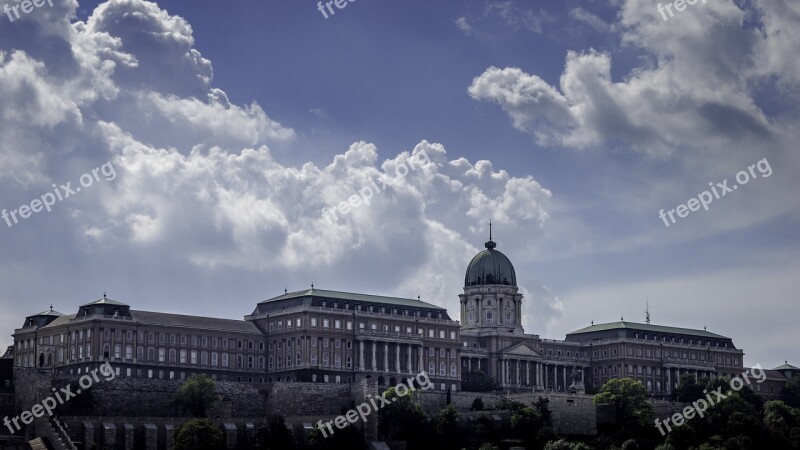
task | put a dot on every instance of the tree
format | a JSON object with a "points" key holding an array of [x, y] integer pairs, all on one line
{"points": [[446, 425], [783, 423], [448, 397], [542, 405], [272, 434], [791, 392], [477, 381], [629, 398], [402, 419], [199, 434], [689, 389], [196, 395], [477, 404]]}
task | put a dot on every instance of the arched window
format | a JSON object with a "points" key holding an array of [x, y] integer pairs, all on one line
{"points": [[117, 351], [337, 361], [489, 317], [140, 353], [508, 316]]}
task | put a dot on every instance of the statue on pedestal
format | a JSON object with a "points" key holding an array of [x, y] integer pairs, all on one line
{"points": [[576, 387]]}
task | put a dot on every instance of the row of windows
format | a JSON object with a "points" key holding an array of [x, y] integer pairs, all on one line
{"points": [[203, 341], [490, 316], [338, 324]]}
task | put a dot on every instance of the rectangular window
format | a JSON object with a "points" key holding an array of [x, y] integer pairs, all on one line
{"points": [[224, 360], [161, 355], [299, 322], [349, 325], [337, 324], [325, 323], [313, 321], [193, 357], [214, 359], [441, 334]]}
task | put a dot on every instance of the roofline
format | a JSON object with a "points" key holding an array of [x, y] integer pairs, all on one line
{"points": [[310, 293], [634, 324]]}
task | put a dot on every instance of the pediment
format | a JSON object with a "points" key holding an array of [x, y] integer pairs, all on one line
{"points": [[521, 349]]}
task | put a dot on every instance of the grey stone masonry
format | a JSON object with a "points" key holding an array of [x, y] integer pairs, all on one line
{"points": [[109, 434], [150, 436], [129, 435], [88, 434], [230, 434]]}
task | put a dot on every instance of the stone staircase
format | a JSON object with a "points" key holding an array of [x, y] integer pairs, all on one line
{"points": [[53, 432]]}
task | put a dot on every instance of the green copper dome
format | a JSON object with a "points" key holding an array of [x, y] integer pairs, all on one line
{"points": [[490, 267]]}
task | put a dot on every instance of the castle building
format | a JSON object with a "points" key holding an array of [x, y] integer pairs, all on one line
{"points": [[339, 337]]}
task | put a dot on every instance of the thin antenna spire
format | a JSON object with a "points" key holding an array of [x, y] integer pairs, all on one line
{"points": [[490, 230], [647, 312]]}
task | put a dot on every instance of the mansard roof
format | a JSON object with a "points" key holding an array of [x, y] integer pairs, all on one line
{"points": [[353, 297], [648, 328]]}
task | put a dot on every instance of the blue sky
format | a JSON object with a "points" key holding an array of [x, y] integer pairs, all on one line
{"points": [[569, 124]]}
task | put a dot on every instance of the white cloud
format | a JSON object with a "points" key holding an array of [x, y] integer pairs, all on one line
{"points": [[700, 80], [590, 19]]}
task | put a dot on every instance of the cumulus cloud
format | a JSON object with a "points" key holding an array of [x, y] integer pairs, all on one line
{"points": [[695, 89], [200, 190]]}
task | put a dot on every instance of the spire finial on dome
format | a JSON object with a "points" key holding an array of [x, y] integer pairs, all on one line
{"points": [[490, 244]]}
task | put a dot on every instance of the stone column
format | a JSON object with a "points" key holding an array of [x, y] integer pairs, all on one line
{"points": [[528, 373], [361, 358], [421, 361], [500, 311], [544, 376], [519, 379], [386, 357], [397, 359], [409, 359], [374, 356], [564, 374]]}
